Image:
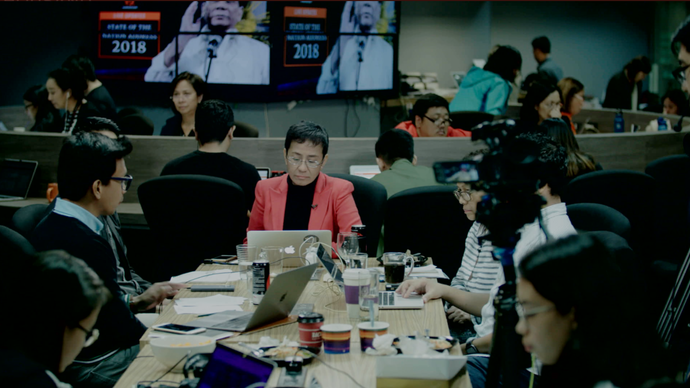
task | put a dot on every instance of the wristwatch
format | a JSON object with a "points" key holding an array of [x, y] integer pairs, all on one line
{"points": [[470, 348]]}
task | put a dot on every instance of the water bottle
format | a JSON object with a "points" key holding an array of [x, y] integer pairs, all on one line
{"points": [[618, 123], [662, 124]]}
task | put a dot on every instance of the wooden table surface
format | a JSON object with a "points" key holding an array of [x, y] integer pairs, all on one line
{"points": [[360, 366]]}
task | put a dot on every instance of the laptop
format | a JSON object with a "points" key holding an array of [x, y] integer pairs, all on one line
{"points": [[280, 299], [15, 178], [290, 240], [264, 172], [231, 368], [388, 300]]}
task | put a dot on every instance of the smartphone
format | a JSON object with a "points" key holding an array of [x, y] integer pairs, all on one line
{"points": [[178, 329], [452, 172], [212, 287]]}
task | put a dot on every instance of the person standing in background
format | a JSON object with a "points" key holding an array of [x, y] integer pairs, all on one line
{"points": [[541, 48], [624, 88]]}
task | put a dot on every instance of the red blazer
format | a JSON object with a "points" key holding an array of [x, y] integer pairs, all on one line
{"points": [[335, 211]]}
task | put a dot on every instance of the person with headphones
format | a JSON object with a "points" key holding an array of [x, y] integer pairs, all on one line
{"points": [[66, 91]]}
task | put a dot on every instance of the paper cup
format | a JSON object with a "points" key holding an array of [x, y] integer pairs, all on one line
{"points": [[367, 333], [353, 281], [336, 338]]}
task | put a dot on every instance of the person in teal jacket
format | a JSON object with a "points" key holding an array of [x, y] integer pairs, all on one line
{"points": [[488, 89]]}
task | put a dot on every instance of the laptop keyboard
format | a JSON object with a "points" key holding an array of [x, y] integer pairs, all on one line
{"points": [[386, 298], [239, 323]]}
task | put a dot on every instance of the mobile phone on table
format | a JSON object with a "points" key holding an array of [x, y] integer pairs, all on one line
{"points": [[178, 329]]}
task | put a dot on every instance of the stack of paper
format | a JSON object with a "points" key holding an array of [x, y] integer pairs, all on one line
{"points": [[209, 305], [217, 276]]}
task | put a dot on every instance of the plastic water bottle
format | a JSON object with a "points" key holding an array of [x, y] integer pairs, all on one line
{"points": [[662, 124], [618, 123]]}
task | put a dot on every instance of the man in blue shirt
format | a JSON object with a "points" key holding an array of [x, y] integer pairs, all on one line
{"points": [[541, 48]]}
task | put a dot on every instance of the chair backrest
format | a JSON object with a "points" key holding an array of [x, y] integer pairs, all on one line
{"points": [[469, 119], [14, 244], [245, 130], [136, 124], [192, 217], [624, 255], [370, 198], [25, 219], [625, 191], [589, 217], [427, 220]]}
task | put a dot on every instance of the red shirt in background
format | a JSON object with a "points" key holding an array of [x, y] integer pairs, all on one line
{"points": [[407, 126]]}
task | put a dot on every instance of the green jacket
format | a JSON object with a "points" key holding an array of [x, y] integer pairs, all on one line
{"points": [[403, 175]]}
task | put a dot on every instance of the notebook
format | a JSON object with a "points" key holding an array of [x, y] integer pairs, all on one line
{"points": [[15, 178]]}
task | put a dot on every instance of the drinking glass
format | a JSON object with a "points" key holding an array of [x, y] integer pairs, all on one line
{"points": [[368, 295], [246, 254], [395, 267], [274, 255], [348, 244], [359, 260]]}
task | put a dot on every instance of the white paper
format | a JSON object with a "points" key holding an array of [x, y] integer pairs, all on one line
{"points": [[439, 274], [427, 268], [208, 309], [367, 171], [216, 300], [217, 276]]}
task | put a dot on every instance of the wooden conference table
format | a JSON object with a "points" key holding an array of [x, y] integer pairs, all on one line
{"points": [[360, 366]]}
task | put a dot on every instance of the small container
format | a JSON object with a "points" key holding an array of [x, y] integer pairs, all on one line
{"points": [[662, 124], [618, 122], [310, 329], [261, 278], [336, 338]]}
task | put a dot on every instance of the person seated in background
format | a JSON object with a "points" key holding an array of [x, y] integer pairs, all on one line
{"points": [[675, 103], [575, 308], [398, 163], [71, 297], [488, 89], [44, 116], [550, 171], [541, 49], [624, 88], [92, 177], [573, 92], [305, 198], [95, 91], [578, 162], [543, 101], [215, 124], [187, 92], [430, 118], [66, 91]]}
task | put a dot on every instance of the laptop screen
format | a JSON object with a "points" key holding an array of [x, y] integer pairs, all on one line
{"points": [[231, 368], [330, 265], [16, 177], [264, 173]]}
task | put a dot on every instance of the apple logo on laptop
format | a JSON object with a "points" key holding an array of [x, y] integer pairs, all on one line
{"points": [[290, 250], [282, 298]]}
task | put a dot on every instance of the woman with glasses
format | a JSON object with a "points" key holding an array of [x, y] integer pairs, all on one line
{"points": [[69, 295], [187, 92], [305, 198], [41, 112], [583, 319], [543, 101], [573, 92]]}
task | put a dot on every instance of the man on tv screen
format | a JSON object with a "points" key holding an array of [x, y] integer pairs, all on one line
{"points": [[358, 62], [203, 47]]}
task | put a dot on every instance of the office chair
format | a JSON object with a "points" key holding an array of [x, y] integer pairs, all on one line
{"points": [[469, 119], [245, 130], [589, 217], [427, 220], [370, 198], [192, 218], [27, 218], [135, 124], [14, 244]]}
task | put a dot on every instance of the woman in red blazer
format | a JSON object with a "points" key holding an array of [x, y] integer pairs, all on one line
{"points": [[304, 198]]}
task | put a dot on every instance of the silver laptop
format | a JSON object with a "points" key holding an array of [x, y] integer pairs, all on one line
{"points": [[290, 240], [15, 178], [388, 300], [280, 299], [264, 172]]}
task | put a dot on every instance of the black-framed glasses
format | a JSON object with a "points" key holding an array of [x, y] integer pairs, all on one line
{"points": [[466, 195], [298, 162], [440, 120], [125, 181], [91, 336], [523, 313], [679, 73]]}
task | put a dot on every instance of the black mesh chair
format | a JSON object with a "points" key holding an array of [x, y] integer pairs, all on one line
{"points": [[589, 217], [245, 130], [370, 198], [427, 220], [470, 119], [14, 244], [630, 192], [25, 219], [192, 218]]}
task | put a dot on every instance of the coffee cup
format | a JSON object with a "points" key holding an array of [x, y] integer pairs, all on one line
{"points": [[395, 267], [353, 281], [310, 329], [368, 331], [336, 338]]}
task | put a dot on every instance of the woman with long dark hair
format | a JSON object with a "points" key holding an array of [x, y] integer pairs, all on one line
{"points": [[66, 90], [543, 101], [578, 162], [41, 112]]}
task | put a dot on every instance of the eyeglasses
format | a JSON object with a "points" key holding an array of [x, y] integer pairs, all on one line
{"points": [[524, 314], [466, 195], [91, 336], [553, 105], [440, 120], [125, 181], [182, 96], [679, 73], [298, 162]]}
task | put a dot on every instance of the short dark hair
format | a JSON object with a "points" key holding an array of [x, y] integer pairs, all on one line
{"points": [[504, 61], [682, 36], [307, 131], [677, 97], [197, 82], [536, 93], [85, 158], [393, 145], [70, 79], [81, 63], [638, 64], [213, 120], [552, 167], [543, 44], [426, 102], [92, 124]]}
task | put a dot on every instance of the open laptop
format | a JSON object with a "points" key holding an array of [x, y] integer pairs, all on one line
{"points": [[290, 240], [264, 172], [280, 299], [231, 368], [15, 178], [388, 300]]}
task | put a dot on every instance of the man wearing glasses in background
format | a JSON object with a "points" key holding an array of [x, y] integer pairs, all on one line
{"points": [[92, 177], [430, 118], [305, 198]]}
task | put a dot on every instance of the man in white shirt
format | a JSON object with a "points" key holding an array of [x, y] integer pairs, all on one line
{"points": [[358, 62], [216, 57]]}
